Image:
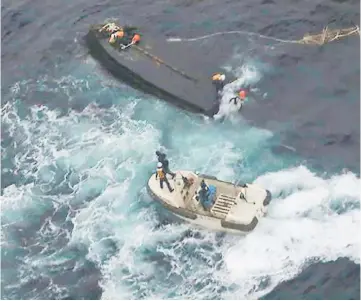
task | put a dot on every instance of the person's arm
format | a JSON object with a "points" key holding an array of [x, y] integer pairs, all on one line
{"points": [[156, 175], [130, 30], [105, 26]]}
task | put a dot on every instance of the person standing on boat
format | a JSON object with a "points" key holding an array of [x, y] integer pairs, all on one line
{"points": [[162, 177], [162, 158]]}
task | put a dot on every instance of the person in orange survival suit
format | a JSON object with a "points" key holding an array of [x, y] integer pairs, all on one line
{"points": [[136, 38], [242, 94], [131, 35], [125, 36]]}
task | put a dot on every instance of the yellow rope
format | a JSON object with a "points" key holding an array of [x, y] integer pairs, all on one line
{"points": [[160, 61]]}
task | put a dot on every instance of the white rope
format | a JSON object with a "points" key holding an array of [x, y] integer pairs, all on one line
{"points": [[307, 39], [177, 39]]}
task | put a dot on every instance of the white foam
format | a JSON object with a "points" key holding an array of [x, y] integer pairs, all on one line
{"points": [[301, 225], [109, 154], [246, 75], [290, 236]]}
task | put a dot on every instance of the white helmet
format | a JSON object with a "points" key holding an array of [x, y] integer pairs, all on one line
{"points": [[159, 165], [222, 77]]}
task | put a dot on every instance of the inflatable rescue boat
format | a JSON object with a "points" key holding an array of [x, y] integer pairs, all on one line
{"points": [[208, 202], [170, 71]]}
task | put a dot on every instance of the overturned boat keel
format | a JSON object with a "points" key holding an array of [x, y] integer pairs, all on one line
{"points": [[165, 70]]}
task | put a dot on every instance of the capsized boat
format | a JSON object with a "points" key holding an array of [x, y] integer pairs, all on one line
{"points": [[171, 71], [211, 203]]}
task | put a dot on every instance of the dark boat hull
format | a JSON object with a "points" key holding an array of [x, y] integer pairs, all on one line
{"points": [[186, 86]]}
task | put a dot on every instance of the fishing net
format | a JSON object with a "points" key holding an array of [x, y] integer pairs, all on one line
{"points": [[328, 36]]}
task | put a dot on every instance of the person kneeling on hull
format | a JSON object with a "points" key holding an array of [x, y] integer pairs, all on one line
{"points": [[116, 36], [162, 177], [125, 36]]}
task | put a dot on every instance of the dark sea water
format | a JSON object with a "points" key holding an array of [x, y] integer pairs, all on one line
{"points": [[78, 147]]}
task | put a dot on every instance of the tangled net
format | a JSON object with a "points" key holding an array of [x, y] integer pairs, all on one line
{"points": [[328, 35]]}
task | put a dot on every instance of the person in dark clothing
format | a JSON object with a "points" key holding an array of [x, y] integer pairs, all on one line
{"points": [[203, 194], [162, 158], [218, 80], [162, 177]]}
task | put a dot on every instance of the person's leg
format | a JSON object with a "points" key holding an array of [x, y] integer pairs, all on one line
{"points": [[161, 183], [169, 187], [171, 173]]}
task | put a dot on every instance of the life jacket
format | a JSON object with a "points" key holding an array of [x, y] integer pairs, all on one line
{"points": [[218, 77], [160, 173], [117, 35], [242, 94], [136, 38]]}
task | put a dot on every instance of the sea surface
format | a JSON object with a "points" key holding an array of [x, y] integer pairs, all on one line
{"points": [[78, 147]]}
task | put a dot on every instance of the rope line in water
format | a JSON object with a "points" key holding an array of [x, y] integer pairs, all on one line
{"points": [[317, 39], [160, 61], [229, 32]]}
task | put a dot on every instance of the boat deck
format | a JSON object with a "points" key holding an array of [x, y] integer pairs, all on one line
{"points": [[228, 202]]}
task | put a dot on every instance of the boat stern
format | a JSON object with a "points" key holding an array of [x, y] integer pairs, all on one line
{"points": [[251, 205]]}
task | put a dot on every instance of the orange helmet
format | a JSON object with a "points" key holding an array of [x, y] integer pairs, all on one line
{"points": [[242, 94], [136, 38], [120, 33], [218, 77]]}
